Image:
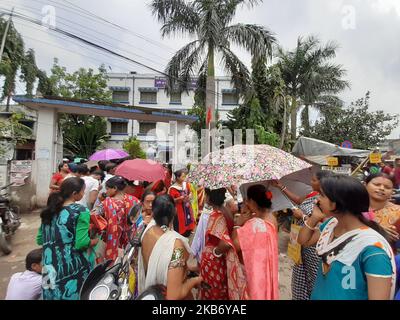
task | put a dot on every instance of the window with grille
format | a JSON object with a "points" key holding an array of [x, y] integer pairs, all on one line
{"points": [[148, 97], [120, 96], [176, 98], [145, 127], [119, 127], [230, 98]]}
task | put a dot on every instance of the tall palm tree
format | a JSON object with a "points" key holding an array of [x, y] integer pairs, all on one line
{"points": [[309, 74], [209, 23]]}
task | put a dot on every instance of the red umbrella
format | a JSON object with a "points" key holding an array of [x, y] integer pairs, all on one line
{"points": [[142, 170]]}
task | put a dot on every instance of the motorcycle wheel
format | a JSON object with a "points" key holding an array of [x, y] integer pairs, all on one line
{"points": [[5, 245], [156, 292]]}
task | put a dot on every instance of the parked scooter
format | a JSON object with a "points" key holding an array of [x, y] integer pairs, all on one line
{"points": [[9, 222], [106, 282]]}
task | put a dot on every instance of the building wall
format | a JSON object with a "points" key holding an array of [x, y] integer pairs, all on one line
{"points": [[133, 83]]}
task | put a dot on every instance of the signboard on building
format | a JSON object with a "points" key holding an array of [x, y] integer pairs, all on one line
{"points": [[338, 170], [375, 157], [332, 161], [347, 144], [160, 83], [20, 171], [24, 166], [18, 179]]}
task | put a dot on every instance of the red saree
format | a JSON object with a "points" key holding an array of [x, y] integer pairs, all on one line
{"points": [[223, 274], [115, 212]]}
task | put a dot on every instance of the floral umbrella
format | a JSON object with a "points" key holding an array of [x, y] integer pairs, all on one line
{"points": [[244, 164]]}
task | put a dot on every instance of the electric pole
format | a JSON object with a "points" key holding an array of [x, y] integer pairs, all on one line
{"points": [[3, 42]]}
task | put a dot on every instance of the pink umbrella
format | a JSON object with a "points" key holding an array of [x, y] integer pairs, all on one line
{"points": [[142, 170], [108, 154]]}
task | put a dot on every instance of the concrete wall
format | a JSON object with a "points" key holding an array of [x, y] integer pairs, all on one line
{"points": [[24, 196]]}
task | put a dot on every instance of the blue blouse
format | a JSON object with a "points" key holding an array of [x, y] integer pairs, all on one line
{"points": [[350, 282]]}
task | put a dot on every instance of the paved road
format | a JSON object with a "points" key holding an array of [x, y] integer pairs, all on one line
{"points": [[22, 242]]}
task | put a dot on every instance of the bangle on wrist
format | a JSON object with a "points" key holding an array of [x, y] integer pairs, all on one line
{"points": [[283, 188], [215, 253], [312, 229], [236, 227]]}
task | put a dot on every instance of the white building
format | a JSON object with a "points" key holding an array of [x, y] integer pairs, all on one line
{"points": [[148, 91]]}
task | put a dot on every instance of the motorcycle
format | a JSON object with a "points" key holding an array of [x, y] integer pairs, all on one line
{"points": [[9, 222], [112, 282]]}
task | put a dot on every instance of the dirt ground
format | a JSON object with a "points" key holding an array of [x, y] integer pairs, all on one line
{"points": [[24, 241]]}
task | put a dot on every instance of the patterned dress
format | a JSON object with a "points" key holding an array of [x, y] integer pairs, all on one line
{"points": [[213, 269], [184, 222], [65, 268], [116, 213], [304, 275], [389, 216]]}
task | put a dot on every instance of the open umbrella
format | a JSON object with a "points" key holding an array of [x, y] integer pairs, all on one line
{"points": [[108, 154], [141, 170], [245, 164]]}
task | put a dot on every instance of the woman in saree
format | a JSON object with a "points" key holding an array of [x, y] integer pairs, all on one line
{"points": [[386, 214], [255, 237], [164, 254], [218, 250], [116, 207], [357, 260], [305, 273], [184, 222]]}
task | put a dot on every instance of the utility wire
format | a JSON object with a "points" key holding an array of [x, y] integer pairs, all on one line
{"points": [[102, 48]]}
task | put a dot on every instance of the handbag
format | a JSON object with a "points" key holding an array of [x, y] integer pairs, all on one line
{"points": [[294, 248], [97, 223]]}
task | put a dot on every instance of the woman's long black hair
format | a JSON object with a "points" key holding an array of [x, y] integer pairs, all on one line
{"points": [[258, 193], [371, 177], [350, 196], [164, 210], [56, 199]]}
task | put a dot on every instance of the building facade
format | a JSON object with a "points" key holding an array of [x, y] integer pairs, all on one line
{"points": [[148, 90]]}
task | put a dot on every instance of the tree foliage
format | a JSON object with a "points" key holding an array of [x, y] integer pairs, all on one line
{"points": [[365, 129], [309, 75], [132, 146], [15, 59], [82, 134], [14, 131], [210, 24]]}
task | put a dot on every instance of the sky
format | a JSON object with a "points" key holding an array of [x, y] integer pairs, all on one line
{"points": [[367, 32]]}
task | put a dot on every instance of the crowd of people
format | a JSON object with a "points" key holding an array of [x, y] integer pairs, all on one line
{"points": [[212, 241]]}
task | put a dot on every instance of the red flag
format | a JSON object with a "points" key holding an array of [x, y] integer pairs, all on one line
{"points": [[209, 116]]}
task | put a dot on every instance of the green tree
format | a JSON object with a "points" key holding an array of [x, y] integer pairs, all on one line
{"points": [[132, 146], [209, 22], [82, 134], [355, 123], [15, 59], [309, 74], [29, 71], [13, 131]]}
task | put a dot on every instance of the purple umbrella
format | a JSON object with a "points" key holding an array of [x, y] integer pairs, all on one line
{"points": [[108, 154]]}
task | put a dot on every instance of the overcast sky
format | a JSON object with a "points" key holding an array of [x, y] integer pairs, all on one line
{"points": [[366, 30]]}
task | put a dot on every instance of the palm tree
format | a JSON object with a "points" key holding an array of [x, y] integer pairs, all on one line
{"points": [[309, 75], [208, 22]]}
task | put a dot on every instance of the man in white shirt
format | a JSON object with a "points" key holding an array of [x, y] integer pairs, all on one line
{"points": [[27, 285], [92, 185]]}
